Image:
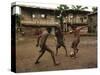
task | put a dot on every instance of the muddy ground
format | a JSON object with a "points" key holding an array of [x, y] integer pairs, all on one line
{"points": [[27, 53]]}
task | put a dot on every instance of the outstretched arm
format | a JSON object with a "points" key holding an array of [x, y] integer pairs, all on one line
{"points": [[82, 27]]}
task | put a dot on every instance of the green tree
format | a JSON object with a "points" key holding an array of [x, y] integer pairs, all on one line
{"points": [[62, 8], [94, 9], [79, 7]]}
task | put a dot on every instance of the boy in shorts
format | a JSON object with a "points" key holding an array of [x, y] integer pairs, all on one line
{"points": [[60, 40]]}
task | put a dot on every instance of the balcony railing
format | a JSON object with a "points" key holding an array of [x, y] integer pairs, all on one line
{"points": [[40, 23]]}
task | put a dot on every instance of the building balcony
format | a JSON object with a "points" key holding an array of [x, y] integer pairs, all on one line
{"points": [[39, 23]]}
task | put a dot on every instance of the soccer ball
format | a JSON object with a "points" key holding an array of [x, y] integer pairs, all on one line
{"points": [[70, 31], [72, 54]]}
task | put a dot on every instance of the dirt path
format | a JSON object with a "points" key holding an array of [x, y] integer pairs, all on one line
{"points": [[27, 53]]}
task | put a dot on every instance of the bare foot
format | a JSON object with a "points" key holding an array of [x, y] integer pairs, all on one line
{"points": [[56, 64], [74, 57], [37, 62]]}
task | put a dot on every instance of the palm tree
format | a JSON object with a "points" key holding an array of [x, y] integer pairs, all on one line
{"points": [[94, 9], [79, 7], [62, 8], [18, 24]]}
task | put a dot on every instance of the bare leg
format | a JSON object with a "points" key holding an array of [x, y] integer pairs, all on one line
{"points": [[37, 61], [76, 46], [52, 55], [65, 49], [76, 50], [58, 46], [56, 51], [74, 55]]}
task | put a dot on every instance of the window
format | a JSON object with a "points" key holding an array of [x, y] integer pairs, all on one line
{"points": [[85, 17], [33, 16], [91, 19], [43, 16], [71, 16], [81, 19], [57, 17], [66, 17]]}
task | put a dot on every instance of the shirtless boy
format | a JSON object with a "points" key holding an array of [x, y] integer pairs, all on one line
{"points": [[76, 32], [60, 40], [41, 41]]}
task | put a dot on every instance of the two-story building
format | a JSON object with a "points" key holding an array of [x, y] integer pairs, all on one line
{"points": [[92, 22], [34, 17]]}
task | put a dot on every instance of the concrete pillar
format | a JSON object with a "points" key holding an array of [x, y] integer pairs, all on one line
{"points": [[16, 10], [53, 31]]}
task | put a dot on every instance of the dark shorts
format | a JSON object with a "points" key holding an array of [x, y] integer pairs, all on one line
{"points": [[75, 43], [60, 43]]}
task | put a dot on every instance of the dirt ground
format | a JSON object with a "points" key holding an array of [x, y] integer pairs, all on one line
{"points": [[27, 53]]}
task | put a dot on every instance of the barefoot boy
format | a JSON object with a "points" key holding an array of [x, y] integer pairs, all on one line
{"points": [[60, 40], [41, 41], [76, 32]]}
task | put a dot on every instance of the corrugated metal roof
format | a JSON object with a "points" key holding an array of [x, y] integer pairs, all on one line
{"points": [[48, 8], [31, 6], [92, 13]]}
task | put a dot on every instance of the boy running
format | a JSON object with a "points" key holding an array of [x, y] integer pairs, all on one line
{"points": [[41, 41], [76, 32]]}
